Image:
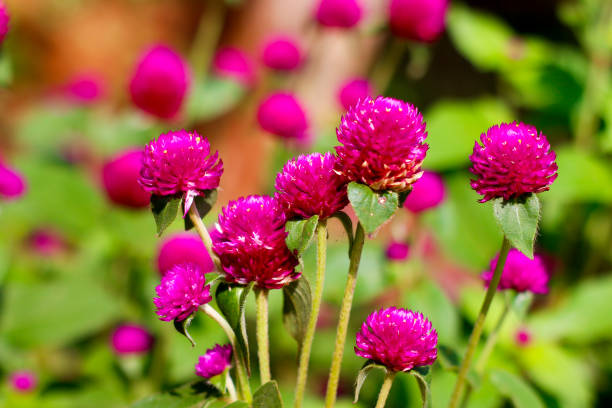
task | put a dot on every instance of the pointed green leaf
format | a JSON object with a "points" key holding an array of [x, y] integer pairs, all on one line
{"points": [[182, 326], [238, 404], [267, 396], [348, 227], [423, 377], [185, 396], [165, 209], [372, 208], [204, 204], [449, 360], [363, 373], [516, 389], [297, 302], [301, 233], [519, 221]]}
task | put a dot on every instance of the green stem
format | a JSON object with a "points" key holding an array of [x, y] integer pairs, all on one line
{"points": [[478, 326], [263, 340], [384, 390], [343, 319], [231, 389], [383, 70], [195, 218], [306, 346], [207, 37]]}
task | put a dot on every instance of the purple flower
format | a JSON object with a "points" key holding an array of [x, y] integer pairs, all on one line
{"points": [[382, 144], [23, 381], [338, 13], [353, 91], [513, 160], [399, 339], [233, 63], [520, 273], [12, 184], [84, 89], [523, 337], [183, 248], [282, 53], [282, 115], [215, 361], [250, 242], [4, 22], [160, 82], [428, 192], [397, 251], [178, 163], [309, 186], [120, 179], [182, 290], [418, 20], [131, 339]]}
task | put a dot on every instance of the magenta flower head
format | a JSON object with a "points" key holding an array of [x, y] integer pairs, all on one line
{"points": [[12, 184], [120, 177], [520, 273], [399, 339], [131, 339], [282, 53], [418, 20], [513, 160], [178, 163], [46, 242], [428, 192], [183, 248], [397, 251], [282, 115], [339, 13], [4, 22], [354, 91], [160, 82], [84, 89], [250, 242], [182, 290], [235, 64], [382, 144], [523, 337], [23, 381], [309, 186], [215, 361]]}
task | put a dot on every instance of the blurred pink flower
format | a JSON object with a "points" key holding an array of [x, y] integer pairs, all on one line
{"points": [[418, 20], [131, 339], [23, 381], [282, 115], [84, 89], [428, 192], [120, 179], [46, 242], [523, 337], [282, 53], [230, 62], [4, 22], [520, 273], [183, 248], [339, 13], [397, 251], [353, 91], [12, 184]]}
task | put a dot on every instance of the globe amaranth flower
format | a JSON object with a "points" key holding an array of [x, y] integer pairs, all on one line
{"points": [[131, 339], [215, 361], [249, 239], [520, 273], [418, 20], [84, 89], [23, 381], [399, 339], [120, 177], [339, 13], [160, 82], [179, 163], [428, 192], [382, 144], [353, 91], [4, 22], [282, 115], [233, 63], [513, 160], [12, 184], [397, 251], [182, 290], [183, 248], [309, 186], [282, 53]]}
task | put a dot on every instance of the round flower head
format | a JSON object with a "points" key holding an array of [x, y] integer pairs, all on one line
{"points": [[215, 361], [160, 82], [178, 163], [120, 178], [338, 13], [84, 89], [4, 22], [309, 186], [382, 144], [12, 184], [428, 192], [282, 53], [233, 63], [354, 91], [250, 242], [181, 291], [183, 248], [523, 337], [23, 381], [513, 160], [399, 339], [282, 115], [46, 242], [418, 20], [131, 339], [520, 273], [397, 251]]}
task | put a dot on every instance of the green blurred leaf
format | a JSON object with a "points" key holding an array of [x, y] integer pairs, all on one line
{"points": [[301, 233], [516, 389], [6, 70], [187, 396], [423, 377], [238, 404], [372, 208], [213, 98], [267, 396], [182, 326], [518, 220], [165, 210], [204, 204], [297, 301], [362, 375]]}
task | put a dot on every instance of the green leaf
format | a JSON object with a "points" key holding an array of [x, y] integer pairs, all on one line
{"points": [[182, 326], [165, 209], [297, 301], [238, 404], [186, 396], [372, 208], [213, 98], [423, 377], [516, 389], [204, 204], [6, 70], [448, 357], [348, 227], [267, 396], [301, 233], [363, 373], [519, 221]]}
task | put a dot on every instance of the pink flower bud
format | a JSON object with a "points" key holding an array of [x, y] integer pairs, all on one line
{"points": [[282, 53], [428, 192], [397, 251], [353, 91], [282, 115], [339, 13], [230, 62], [418, 20], [131, 339], [120, 179], [12, 184], [183, 248], [23, 381], [520, 273]]}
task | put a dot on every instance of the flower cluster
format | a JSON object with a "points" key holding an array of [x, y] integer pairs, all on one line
{"points": [[215, 361], [182, 290], [520, 273]]}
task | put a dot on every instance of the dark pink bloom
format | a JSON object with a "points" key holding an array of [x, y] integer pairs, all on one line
{"points": [[182, 290], [520, 273], [399, 339], [250, 242], [12, 184], [282, 53], [131, 339], [523, 337], [215, 361], [46, 242], [120, 177], [339, 13], [179, 163], [233, 63], [428, 192], [418, 20], [353, 91], [4, 22], [183, 248], [282, 115], [382, 144], [309, 186], [23, 381], [397, 251], [513, 160], [84, 89], [160, 82]]}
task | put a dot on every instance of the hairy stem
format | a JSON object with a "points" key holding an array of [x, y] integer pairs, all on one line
{"points": [[384, 390], [229, 384], [195, 218], [263, 341]]}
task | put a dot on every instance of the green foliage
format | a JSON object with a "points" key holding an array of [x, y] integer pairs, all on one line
{"points": [[204, 204], [372, 208], [423, 377], [516, 389], [183, 326], [213, 98], [267, 396], [186, 396], [518, 220], [164, 209], [301, 233], [362, 375], [297, 303]]}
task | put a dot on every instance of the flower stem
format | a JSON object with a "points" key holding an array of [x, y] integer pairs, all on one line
{"points": [[384, 390], [229, 384], [478, 326], [195, 218], [306, 346], [263, 341], [207, 36], [343, 320]]}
